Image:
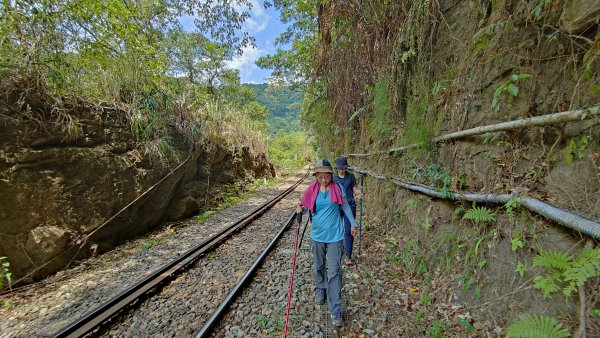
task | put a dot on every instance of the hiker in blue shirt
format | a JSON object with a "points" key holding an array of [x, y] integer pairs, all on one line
{"points": [[326, 202], [348, 181]]}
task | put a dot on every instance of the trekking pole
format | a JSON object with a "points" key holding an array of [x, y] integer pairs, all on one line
{"points": [[289, 300], [304, 230], [362, 197]]}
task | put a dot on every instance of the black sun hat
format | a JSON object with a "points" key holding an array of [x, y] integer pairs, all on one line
{"points": [[341, 163]]}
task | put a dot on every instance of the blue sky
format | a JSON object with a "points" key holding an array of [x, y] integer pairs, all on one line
{"points": [[265, 26]]}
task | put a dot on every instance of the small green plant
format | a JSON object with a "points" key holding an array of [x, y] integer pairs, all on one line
{"points": [[141, 127], [211, 255], [465, 323], [521, 269], [427, 224], [577, 148], [457, 211], [564, 271], [437, 176], [436, 330], [516, 243], [392, 242], [72, 127], [537, 326], [596, 312], [149, 244], [462, 181], [407, 55], [489, 138], [425, 299], [5, 274], [262, 321], [417, 317], [394, 259], [205, 216], [479, 215], [509, 85], [488, 34], [469, 281], [273, 323], [512, 204]]}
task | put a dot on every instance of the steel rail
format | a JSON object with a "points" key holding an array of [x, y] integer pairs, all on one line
{"points": [[237, 289], [101, 314]]}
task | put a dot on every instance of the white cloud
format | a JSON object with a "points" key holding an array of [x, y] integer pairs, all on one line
{"points": [[246, 63], [258, 20], [252, 26]]}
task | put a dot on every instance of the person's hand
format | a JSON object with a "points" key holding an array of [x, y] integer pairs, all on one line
{"points": [[354, 231], [298, 209], [358, 194]]}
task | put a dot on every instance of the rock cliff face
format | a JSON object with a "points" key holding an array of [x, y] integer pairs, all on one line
{"points": [[431, 68], [74, 179]]}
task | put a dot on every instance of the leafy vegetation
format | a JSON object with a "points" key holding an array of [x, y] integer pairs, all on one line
{"points": [[564, 271], [290, 151], [537, 326], [509, 85], [5, 274], [204, 216], [134, 54]]}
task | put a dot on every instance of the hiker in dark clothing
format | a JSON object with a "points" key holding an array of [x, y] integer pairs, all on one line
{"points": [[348, 181]]}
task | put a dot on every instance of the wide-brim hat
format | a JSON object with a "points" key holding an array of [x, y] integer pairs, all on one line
{"points": [[322, 166], [341, 163]]}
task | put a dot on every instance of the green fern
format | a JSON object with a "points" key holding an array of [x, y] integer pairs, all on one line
{"points": [[537, 326], [586, 266], [553, 261], [548, 285], [479, 215], [565, 271]]}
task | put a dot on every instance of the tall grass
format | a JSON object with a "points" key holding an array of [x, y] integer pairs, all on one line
{"points": [[232, 126]]}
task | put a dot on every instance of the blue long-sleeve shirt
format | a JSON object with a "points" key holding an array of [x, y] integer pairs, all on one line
{"points": [[327, 225]]}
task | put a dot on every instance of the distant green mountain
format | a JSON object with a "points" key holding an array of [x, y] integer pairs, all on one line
{"points": [[283, 105]]}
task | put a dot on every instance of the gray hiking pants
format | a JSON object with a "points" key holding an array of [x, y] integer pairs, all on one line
{"points": [[327, 271]]}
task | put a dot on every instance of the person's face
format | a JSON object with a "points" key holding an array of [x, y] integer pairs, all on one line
{"points": [[341, 172], [323, 178]]}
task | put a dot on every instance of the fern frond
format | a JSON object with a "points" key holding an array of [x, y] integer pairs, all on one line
{"points": [[537, 326], [479, 214], [546, 285], [587, 265], [553, 261]]}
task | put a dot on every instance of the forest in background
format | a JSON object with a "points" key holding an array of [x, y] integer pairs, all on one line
{"points": [[283, 105]]}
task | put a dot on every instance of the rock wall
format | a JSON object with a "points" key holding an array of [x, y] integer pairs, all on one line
{"points": [[74, 180], [454, 65]]}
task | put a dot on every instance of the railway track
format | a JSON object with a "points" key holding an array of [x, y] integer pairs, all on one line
{"points": [[96, 318]]}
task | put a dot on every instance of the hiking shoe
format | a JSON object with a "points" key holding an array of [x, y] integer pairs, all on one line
{"points": [[320, 296], [349, 261], [336, 317]]}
